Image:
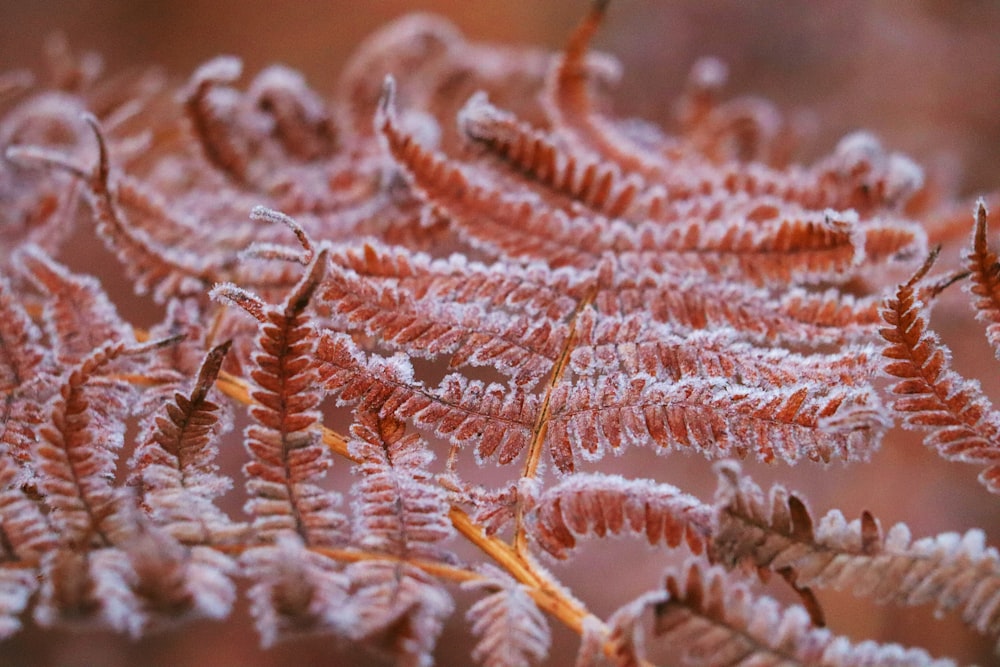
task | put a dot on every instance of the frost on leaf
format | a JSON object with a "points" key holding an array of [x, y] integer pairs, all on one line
{"points": [[25, 376], [479, 260], [399, 508], [512, 630], [174, 465], [959, 419], [714, 619], [288, 457], [25, 535], [985, 273], [950, 571], [295, 591], [397, 609], [586, 505]]}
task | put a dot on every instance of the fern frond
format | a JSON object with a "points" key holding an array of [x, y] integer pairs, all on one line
{"points": [[25, 531], [78, 315], [950, 571], [396, 608], [474, 206], [295, 591], [692, 303], [17, 586], [153, 264], [206, 109], [287, 456], [521, 346], [26, 376], [25, 535], [175, 467], [786, 423], [88, 589], [626, 632], [585, 505], [718, 621], [170, 583], [398, 508], [533, 290], [511, 628], [810, 248], [570, 108], [610, 345], [76, 455], [962, 424], [984, 268], [591, 652], [301, 123], [144, 581], [494, 417], [599, 186]]}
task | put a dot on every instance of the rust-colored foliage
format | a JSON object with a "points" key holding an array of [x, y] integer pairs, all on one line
{"points": [[468, 251]]}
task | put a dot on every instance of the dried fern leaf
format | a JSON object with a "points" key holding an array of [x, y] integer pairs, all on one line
{"points": [[984, 268], [295, 591], [521, 346], [399, 508], [569, 106], [152, 264], [811, 248], [512, 630], [25, 531], [146, 581], [533, 290], [25, 535], [476, 207], [300, 122], [88, 590], [632, 345], [598, 505], [76, 455], [17, 586], [78, 315], [600, 186], [287, 455], [950, 571], [962, 424], [709, 415], [626, 633], [170, 584], [397, 609], [174, 465], [496, 419], [206, 108], [691, 303], [860, 176], [718, 621], [25, 376], [592, 640]]}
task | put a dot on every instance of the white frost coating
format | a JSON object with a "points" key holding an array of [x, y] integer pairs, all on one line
{"points": [[857, 148], [903, 177], [422, 126]]}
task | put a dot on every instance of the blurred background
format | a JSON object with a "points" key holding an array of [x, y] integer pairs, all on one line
{"points": [[924, 75]]}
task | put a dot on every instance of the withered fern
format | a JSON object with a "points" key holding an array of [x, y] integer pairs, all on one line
{"points": [[464, 282]]}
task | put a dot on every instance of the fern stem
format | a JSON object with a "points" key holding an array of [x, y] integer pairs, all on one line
{"points": [[570, 613], [541, 424]]}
